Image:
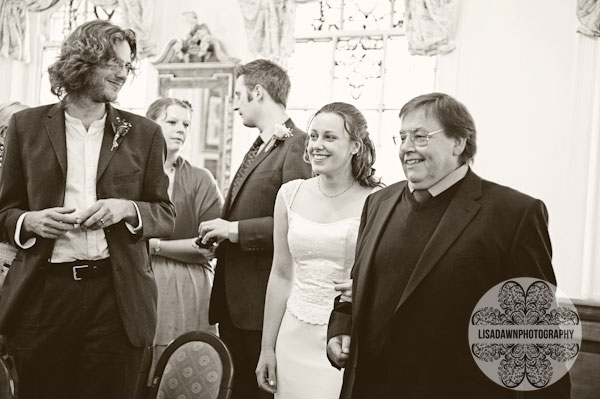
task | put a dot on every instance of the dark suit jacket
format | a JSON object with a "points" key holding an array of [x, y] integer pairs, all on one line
{"points": [[488, 234], [243, 268], [34, 178]]}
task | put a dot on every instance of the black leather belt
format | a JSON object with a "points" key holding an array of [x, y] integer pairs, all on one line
{"points": [[80, 269]]}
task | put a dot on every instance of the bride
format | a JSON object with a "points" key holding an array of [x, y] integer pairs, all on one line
{"points": [[316, 225]]}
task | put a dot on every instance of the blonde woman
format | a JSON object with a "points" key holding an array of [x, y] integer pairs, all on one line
{"points": [[183, 273]]}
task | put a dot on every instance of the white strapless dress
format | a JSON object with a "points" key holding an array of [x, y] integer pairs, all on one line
{"points": [[321, 252]]}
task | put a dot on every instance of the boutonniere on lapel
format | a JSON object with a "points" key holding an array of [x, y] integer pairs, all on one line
{"points": [[121, 130], [280, 134]]}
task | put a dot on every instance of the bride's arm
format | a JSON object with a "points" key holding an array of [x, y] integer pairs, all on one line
{"points": [[278, 291]]}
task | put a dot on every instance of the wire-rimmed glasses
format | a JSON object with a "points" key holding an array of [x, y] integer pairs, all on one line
{"points": [[419, 137]]}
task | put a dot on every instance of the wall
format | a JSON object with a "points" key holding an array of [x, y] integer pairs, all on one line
{"points": [[516, 69]]}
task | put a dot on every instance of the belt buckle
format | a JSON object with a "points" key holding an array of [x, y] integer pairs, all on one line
{"points": [[75, 268]]}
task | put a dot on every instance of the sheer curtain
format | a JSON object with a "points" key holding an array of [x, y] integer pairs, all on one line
{"points": [[428, 26], [270, 28], [14, 29], [588, 12]]}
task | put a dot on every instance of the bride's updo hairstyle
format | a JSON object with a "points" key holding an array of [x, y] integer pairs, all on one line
{"points": [[355, 125]]}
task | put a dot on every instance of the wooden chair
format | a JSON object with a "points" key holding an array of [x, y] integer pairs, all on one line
{"points": [[8, 383], [196, 365], [585, 373], [7, 371]]}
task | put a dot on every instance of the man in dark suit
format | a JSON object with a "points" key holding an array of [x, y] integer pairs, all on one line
{"points": [[428, 249], [83, 188], [245, 230]]}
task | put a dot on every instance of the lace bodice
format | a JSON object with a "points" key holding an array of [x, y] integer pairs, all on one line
{"points": [[321, 252]]}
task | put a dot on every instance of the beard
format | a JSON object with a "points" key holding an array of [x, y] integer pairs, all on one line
{"points": [[101, 91]]}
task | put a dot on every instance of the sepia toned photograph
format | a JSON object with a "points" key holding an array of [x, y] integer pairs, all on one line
{"points": [[299, 199]]}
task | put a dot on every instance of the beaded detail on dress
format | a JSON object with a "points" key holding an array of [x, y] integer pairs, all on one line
{"points": [[321, 252]]}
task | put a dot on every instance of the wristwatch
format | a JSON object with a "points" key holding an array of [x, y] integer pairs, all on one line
{"points": [[157, 247]]}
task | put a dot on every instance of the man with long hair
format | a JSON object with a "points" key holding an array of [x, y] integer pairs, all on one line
{"points": [[83, 188]]}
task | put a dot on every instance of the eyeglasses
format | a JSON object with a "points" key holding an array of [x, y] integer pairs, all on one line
{"points": [[117, 65], [419, 137]]}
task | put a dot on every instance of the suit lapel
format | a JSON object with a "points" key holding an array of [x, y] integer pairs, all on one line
{"points": [[105, 153], [259, 158], [368, 249], [461, 211], [55, 128]]}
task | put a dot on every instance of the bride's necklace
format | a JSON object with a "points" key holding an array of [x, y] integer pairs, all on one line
{"points": [[334, 195]]}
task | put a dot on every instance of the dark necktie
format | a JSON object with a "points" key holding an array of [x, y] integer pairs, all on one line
{"points": [[248, 159], [422, 195]]}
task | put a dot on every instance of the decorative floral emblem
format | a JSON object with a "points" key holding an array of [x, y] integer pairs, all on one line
{"points": [[280, 134], [121, 130], [525, 341]]}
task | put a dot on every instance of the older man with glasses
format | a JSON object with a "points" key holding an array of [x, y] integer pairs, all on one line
{"points": [[428, 249], [83, 188]]}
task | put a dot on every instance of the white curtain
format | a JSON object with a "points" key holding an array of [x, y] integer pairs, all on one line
{"points": [[14, 30], [588, 13], [270, 28], [428, 26]]}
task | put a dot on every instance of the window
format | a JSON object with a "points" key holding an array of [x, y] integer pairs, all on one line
{"points": [[356, 51]]}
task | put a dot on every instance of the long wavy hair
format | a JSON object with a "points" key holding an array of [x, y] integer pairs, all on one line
{"points": [[356, 127], [89, 46]]}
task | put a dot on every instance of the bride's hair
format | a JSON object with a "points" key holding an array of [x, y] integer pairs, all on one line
{"points": [[356, 127]]}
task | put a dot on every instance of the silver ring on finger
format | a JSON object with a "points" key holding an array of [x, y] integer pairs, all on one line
{"points": [[101, 221]]}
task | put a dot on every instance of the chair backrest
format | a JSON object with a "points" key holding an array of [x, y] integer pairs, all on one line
{"points": [[196, 365], [7, 255], [7, 378], [585, 373]]}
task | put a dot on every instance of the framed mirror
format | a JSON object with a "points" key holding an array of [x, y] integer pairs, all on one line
{"points": [[208, 87]]}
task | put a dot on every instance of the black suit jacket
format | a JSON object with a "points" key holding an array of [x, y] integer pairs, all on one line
{"points": [[34, 177], [488, 234], [243, 268]]}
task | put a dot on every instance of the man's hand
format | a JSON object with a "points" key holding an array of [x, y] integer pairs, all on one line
{"points": [[216, 229], [338, 349], [107, 212], [49, 223], [344, 287]]}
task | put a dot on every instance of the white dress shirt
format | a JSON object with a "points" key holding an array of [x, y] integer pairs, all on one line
{"points": [[83, 152]]}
